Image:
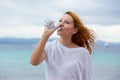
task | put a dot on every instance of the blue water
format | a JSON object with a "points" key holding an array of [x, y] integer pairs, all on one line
{"points": [[15, 63]]}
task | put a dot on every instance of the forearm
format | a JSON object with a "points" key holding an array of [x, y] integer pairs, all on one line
{"points": [[39, 54]]}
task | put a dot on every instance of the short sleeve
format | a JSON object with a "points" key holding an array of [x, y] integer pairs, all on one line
{"points": [[88, 72], [49, 48]]}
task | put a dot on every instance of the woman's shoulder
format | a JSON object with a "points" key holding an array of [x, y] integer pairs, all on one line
{"points": [[84, 49], [50, 46], [51, 43], [85, 52]]}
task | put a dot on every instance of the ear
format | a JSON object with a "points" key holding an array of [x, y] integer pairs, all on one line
{"points": [[75, 30]]}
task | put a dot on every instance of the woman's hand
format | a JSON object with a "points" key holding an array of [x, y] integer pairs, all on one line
{"points": [[49, 28], [48, 31]]}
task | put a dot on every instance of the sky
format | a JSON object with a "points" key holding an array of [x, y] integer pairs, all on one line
{"points": [[26, 18]]}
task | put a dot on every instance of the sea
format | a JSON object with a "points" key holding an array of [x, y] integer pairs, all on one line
{"points": [[15, 62]]}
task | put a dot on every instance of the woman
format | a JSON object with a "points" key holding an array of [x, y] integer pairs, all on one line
{"points": [[67, 58]]}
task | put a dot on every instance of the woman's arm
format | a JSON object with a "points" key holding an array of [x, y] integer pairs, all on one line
{"points": [[38, 54]]}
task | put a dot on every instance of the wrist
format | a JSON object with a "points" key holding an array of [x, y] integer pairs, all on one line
{"points": [[45, 36]]}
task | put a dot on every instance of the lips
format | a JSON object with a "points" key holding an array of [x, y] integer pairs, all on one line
{"points": [[60, 28]]}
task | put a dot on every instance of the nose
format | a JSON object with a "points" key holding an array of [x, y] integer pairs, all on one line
{"points": [[60, 24]]}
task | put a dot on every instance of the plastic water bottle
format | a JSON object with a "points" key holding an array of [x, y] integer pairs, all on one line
{"points": [[49, 24]]}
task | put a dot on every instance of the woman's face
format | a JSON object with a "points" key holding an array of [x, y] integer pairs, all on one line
{"points": [[66, 24]]}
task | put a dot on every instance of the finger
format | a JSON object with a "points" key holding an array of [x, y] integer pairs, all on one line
{"points": [[55, 28]]}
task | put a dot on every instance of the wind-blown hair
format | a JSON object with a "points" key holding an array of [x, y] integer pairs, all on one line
{"points": [[84, 36]]}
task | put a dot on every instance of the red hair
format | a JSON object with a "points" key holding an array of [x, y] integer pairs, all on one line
{"points": [[84, 36]]}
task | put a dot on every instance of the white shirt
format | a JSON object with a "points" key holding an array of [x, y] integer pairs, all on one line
{"points": [[63, 63]]}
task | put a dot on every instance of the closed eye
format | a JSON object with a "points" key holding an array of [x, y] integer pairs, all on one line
{"points": [[67, 22]]}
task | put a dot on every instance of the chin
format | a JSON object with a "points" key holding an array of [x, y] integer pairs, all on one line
{"points": [[59, 33]]}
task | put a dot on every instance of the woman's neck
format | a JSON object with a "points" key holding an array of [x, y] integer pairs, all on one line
{"points": [[67, 42]]}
